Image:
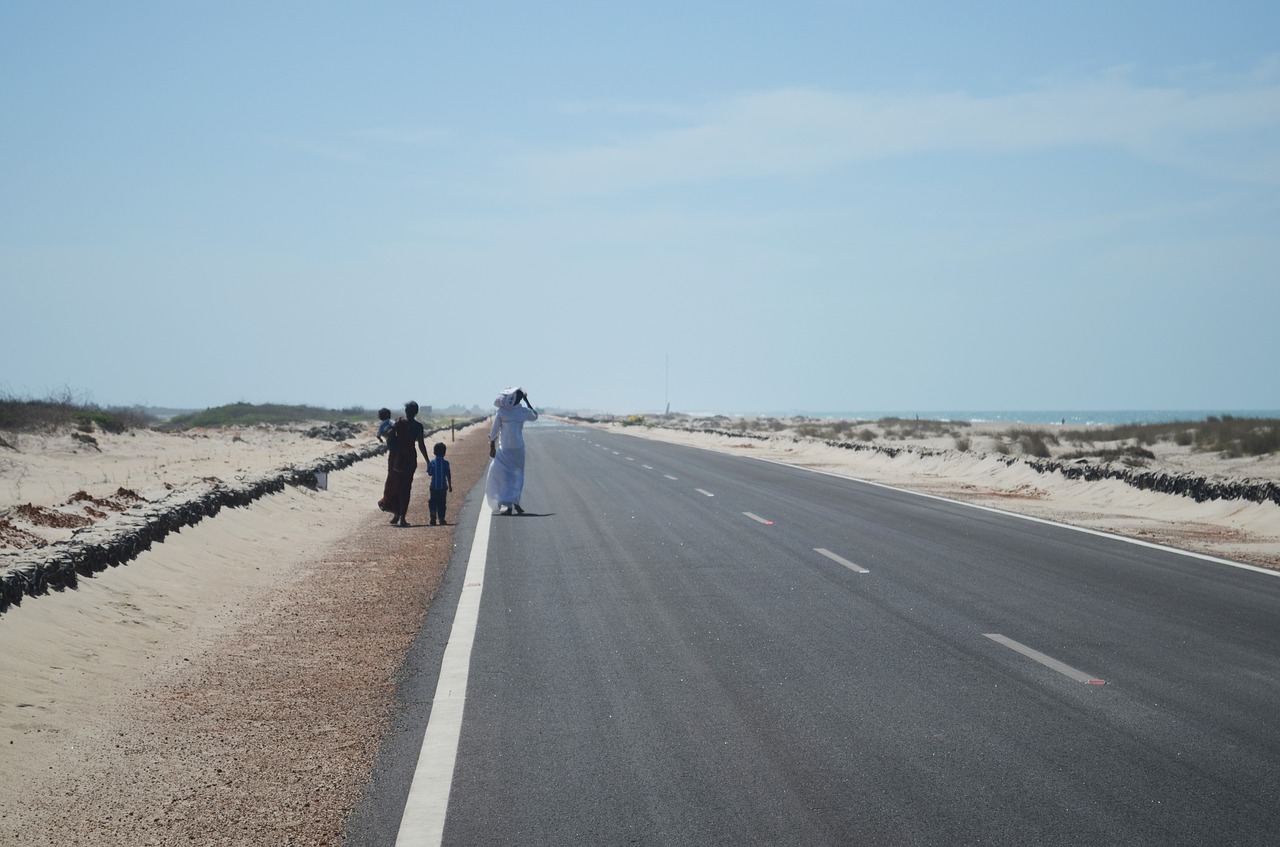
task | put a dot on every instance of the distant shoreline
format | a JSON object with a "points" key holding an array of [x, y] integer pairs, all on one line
{"points": [[1086, 417]]}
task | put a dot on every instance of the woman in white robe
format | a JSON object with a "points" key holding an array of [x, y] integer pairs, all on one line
{"points": [[506, 445]]}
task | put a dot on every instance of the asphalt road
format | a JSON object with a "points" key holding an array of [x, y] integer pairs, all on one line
{"points": [[681, 647]]}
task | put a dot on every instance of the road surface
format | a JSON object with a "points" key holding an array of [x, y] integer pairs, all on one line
{"points": [[676, 646]]}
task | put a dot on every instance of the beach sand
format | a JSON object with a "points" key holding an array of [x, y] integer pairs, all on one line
{"points": [[231, 685]]}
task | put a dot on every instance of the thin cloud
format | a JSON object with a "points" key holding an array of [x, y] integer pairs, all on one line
{"points": [[793, 132]]}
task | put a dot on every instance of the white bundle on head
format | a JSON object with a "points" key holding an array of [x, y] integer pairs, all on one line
{"points": [[507, 399]]}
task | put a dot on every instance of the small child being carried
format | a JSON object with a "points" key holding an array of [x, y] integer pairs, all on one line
{"points": [[387, 435]]}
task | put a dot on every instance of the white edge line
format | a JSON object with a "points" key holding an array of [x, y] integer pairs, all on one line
{"points": [[1099, 533], [424, 812], [841, 560], [1047, 661]]}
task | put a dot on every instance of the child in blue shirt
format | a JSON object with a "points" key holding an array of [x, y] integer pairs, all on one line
{"points": [[441, 483]]}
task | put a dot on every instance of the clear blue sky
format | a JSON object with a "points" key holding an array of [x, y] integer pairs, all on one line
{"points": [[732, 206]]}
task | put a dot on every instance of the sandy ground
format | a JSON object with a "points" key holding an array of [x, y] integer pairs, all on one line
{"points": [[231, 685], [1235, 530]]}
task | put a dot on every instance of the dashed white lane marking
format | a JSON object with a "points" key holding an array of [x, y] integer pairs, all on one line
{"points": [[647, 467], [1086, 530], [701, 491], [423, 820], [833, 557], [758, 519], [1047, 661], [669, 476]]}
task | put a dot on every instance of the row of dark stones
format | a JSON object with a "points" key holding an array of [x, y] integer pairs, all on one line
{"points": [[1198, 488], [338, 431], [60, 565], [30, 573]]}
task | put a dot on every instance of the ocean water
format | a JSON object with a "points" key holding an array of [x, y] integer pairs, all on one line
{"points": [[1104, 417]]}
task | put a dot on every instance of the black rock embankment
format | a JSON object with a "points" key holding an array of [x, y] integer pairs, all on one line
{"points": [[339, 431], [1198, 488], [93, 549]]}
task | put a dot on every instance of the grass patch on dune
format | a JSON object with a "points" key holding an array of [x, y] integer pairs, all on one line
{"points": [[277, 414], [1230, 436], [254, 414], [27, 415], [918, 428], [53, 413], [887, 429], [1227, 435], [830, 430], [1028, 442]]}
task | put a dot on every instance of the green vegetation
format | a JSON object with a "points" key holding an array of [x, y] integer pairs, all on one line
{"points": [[763, 424], [893, 429], [917, 428], [751, 425], [1231, 436], [827, 430], [27, 415], [1031, 442], [250, 414]]}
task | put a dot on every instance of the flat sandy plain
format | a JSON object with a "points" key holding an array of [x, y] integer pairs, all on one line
{"points": [[231, 685]]}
